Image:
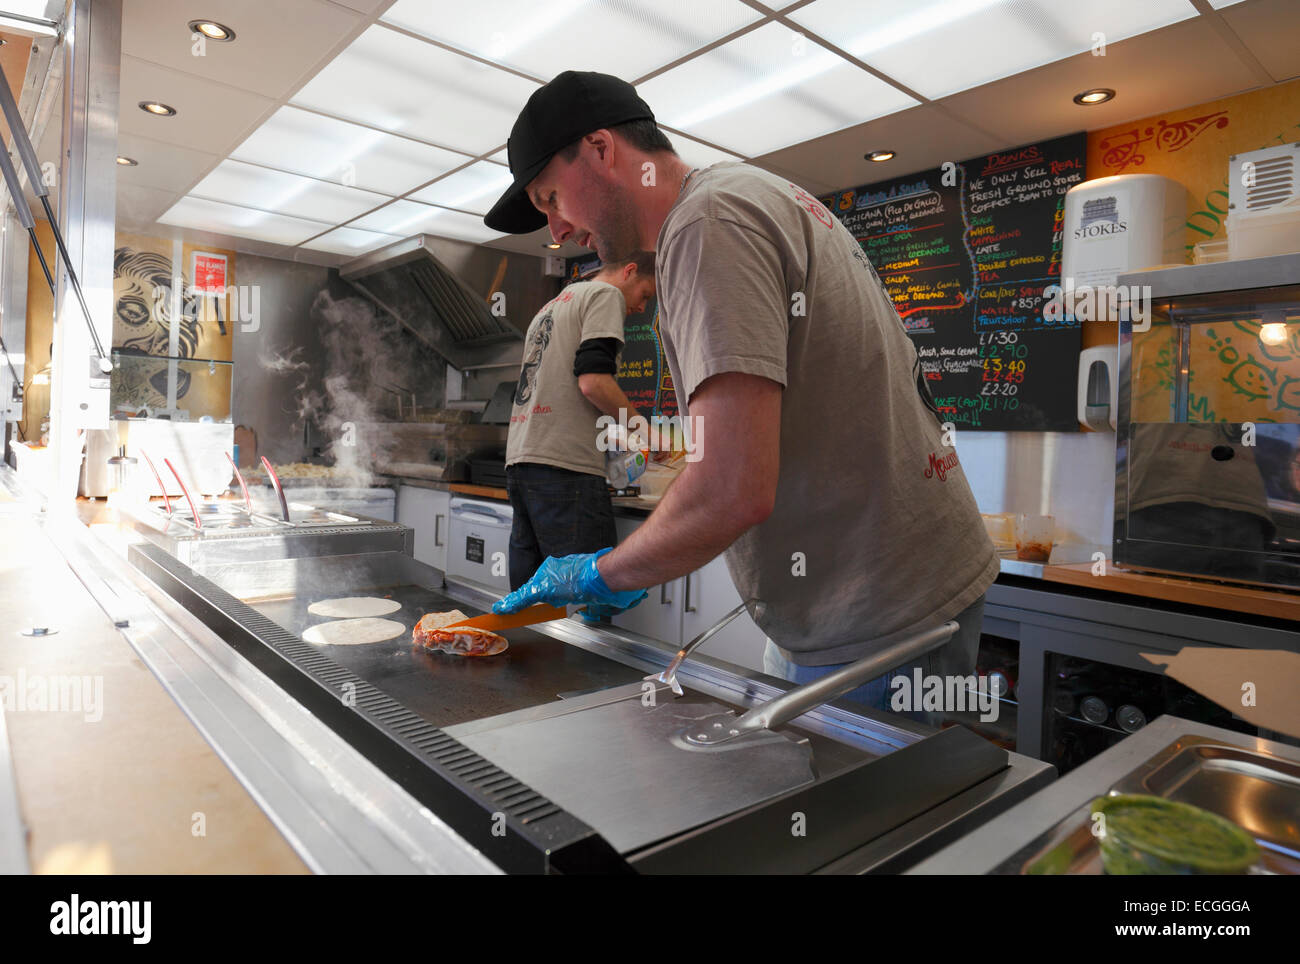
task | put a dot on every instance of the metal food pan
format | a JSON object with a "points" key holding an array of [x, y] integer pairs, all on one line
{"points": [[1257, 790]]}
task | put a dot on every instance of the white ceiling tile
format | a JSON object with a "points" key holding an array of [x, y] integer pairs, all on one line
{"points": [[768, 89], [336, 150], [204, 215], [206, 119], [474, 189], [939, 47], [1270, 29], [261, 58], [162, 166], [257, 187], [139, 205], [406, 85], [696, 154], [628, 38], [405, 218], [350, 241]]}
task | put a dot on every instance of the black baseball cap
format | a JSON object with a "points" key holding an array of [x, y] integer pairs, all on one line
{"points": [[570, 107]]}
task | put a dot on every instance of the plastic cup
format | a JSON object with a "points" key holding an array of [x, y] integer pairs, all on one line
{"points": [[1034, 534]]}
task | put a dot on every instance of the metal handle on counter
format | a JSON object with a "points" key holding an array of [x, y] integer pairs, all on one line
{"points": [[437, 529], [688, 607], [663, 595], [669, 675], [803, 698]]}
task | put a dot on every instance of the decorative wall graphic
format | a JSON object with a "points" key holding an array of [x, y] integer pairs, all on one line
{"points": [[160, 333], [1235, 376], [142, 321], [1123, 151]]}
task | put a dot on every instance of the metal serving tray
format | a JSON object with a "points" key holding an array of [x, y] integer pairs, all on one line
{"points": [[1257, 790], [230, 533]]}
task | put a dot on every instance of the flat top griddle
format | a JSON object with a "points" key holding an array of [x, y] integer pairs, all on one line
{"points": [[445, 689]]}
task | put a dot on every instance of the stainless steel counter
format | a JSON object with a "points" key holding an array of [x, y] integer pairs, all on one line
{"points": [[343, 807], [1005, 836]]}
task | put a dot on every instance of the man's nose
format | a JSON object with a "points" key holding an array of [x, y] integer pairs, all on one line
{"points": [[560, 228]]}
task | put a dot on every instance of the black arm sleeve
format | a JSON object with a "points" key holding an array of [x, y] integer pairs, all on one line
{"points": [[596, 356]]}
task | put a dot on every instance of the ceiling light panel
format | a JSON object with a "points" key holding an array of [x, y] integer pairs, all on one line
{"points": [[939, 47], [405, 218], [768, 89], [696, 154], [302, 142], [474, 189], [291, 194], [628, 38], [221, 218], [405, 85], [350, 241]]}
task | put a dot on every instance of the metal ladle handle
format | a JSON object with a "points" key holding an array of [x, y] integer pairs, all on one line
{"points": [[803, 698]]}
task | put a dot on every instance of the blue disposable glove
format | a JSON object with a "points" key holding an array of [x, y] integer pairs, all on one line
{"points": [[568, 579], [596, 613]]}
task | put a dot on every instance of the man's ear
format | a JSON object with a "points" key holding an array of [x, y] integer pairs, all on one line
{"points": [[629, 269], [602, 143]]}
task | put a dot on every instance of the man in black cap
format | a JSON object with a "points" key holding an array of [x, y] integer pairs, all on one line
{"points": [[824, 474]]}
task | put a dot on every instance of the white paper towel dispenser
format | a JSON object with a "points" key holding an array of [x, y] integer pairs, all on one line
{"points": [[1099, 387]]}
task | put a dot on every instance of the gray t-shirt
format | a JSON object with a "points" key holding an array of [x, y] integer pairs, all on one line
{"points": [[551, 421], [875, 533]]}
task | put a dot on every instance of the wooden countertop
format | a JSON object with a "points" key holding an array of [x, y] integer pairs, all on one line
{"points": [[482, 491], [1277, 604], [119, 789]]}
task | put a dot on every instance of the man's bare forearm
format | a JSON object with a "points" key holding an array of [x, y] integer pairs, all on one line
{"points": [[728, 489], [686, 531]]}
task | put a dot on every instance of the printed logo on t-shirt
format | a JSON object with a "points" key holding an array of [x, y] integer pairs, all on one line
{"points": [[538, 338], [812, 205], [941, 465]]}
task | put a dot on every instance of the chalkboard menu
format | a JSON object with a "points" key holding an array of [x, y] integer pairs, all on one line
{"points": [[965, 252], [642, 369]]}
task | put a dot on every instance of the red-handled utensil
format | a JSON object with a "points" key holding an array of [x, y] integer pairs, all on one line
{"points": [[248, 503], [279, 489], [198, 523], [167, 503]]}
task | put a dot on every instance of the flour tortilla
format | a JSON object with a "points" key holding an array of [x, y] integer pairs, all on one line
{"points": [[353, 632], [354, 607]]}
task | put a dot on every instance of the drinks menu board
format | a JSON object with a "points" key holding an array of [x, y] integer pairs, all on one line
{"points": [[642, 368], [966, 251]]}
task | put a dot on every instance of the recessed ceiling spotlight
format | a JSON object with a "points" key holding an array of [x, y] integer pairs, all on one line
{"points": [[879, 156], [553, 246], [212, 30], [1098, 95], [127, 161], [154, 107]]}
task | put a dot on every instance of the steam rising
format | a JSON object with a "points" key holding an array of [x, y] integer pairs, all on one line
{"points": [[366, 357]]}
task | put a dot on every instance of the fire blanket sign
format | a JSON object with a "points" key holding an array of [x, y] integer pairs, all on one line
{"points": [[209, 273]]}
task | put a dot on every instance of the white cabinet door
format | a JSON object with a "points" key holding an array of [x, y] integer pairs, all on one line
{"points": [[425, 511], [707, 596], [441, 507], [659, 615]]}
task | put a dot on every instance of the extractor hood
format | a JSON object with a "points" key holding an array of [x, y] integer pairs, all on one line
{"points": [[468, 303]]}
